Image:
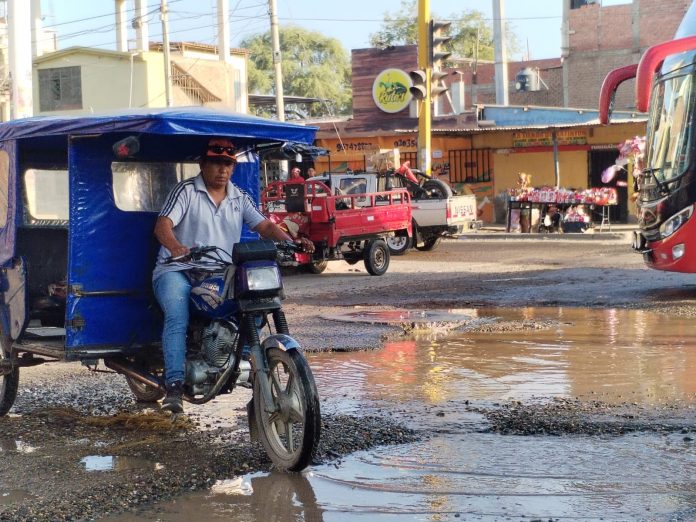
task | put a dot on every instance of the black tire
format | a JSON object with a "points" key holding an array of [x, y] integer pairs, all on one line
{"points": [[399, 245], [429, 244], [437, 188], [143, 392], [376, 257], [317, 267], [9, 382], [293, 387]]}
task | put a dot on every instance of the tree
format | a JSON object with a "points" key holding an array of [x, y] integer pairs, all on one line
{"points": [[313, 65], [469, 29]]}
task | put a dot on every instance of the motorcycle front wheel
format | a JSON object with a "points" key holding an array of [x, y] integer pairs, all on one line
{"points": [[290, 435]]}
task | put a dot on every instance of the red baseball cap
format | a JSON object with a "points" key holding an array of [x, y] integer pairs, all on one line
{"points": [[221, 148]]}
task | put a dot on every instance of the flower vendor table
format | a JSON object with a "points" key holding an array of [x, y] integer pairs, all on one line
{"points": [[563, 199]]}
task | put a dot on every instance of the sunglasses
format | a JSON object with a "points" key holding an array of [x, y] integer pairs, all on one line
{"points": [[219, 149]]}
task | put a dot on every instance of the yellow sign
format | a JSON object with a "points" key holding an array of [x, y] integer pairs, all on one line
{"points": [[544, 138], [390, 90]]}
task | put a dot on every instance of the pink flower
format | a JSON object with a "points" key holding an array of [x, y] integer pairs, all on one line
{"points": [[609, 173]]}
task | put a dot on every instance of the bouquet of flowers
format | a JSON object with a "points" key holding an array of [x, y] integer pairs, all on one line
{"points": [[631, 152]]}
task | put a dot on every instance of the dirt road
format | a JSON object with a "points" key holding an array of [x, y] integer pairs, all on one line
{"points": [[66, 417]]}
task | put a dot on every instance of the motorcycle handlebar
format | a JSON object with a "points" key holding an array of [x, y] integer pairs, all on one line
{"points": [[197, 253], [194, 254]]}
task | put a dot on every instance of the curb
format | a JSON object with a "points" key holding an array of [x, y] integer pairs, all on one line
{"points": [[603, 236]]}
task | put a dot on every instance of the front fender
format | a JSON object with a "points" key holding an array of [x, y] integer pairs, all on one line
{"points": [[281, 341]]}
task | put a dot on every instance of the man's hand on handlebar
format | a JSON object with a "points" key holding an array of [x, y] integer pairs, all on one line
{"points": [[179, 252], [305, 243]]}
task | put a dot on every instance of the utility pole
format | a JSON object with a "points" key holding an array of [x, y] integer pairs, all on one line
{"points": [[164, 16], [275, 38], [223, 31], [121, 27], [19, 36], [424, 109], [500, 46]]}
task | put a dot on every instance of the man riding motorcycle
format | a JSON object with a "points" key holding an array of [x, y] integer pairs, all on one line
{"points": [[206, 210]]}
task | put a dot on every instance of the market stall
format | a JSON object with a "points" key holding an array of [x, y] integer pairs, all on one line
{"points": [[549, 209]]}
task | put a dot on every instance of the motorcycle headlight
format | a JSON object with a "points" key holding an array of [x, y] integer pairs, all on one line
{"points": [[673, 224], [263, 278]]}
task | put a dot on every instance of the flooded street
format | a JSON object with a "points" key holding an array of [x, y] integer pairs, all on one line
{"points": [[627, 452]]}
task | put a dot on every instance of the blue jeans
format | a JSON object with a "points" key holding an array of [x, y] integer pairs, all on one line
{"points": [[172, 290]]}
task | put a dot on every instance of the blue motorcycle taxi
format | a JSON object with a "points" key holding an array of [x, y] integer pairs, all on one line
{"points": [[79, 197]]}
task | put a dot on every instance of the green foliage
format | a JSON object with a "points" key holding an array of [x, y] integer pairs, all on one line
{"points": [[313, 65], [468, 28]]}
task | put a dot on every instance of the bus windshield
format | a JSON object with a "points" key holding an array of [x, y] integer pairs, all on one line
{"points": [[669, 136]]}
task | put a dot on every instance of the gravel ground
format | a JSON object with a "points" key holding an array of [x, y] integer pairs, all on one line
{"points": [[64, 413]]}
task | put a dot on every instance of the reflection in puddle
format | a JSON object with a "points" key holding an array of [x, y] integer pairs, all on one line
{"points": [[410, 316], [109, 463], [614, 356], [609, 355]]}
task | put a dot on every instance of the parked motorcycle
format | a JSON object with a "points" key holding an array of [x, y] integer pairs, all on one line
{"points": [[231, 342], [421, 186]]}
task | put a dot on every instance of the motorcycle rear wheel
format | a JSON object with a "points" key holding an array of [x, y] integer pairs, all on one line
{"points": [[143, 392], [290, 435]]}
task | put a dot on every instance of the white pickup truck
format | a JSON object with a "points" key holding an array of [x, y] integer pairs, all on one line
{"points": [[435, 210]]}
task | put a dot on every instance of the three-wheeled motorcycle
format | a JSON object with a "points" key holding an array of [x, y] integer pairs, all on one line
{"points": [[79, 197]]}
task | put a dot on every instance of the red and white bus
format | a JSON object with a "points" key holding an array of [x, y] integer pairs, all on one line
{"points": [[666, 183]]}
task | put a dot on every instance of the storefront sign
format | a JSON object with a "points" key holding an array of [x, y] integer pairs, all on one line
{"points": [[544, 138], [390, 90]]}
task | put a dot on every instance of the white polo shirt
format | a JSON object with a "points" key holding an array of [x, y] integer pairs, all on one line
{"points": [[199, 222]]}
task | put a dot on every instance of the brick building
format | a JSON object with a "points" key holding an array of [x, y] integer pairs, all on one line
{"points": [[596, 40]]}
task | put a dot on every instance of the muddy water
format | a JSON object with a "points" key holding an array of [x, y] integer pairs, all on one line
{"points": [[460, 470]]}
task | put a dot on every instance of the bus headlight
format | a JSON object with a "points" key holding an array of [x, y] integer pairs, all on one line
{"points": [[673, 224]]}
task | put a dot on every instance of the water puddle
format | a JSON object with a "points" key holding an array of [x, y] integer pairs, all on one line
{"points": [[405, 316], [113, 463], [440, 384]]}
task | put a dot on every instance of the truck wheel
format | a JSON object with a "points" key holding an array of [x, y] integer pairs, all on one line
{"points": [[317, 267], [429, 244], [377, 257], [398, 245], [437, 188]]}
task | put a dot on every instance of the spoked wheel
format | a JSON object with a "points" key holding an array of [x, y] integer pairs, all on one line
{"points": [[398, 245], [290, 435], [317, 267], [377, 257], [143, 392], [437, 188], [9, 382]]}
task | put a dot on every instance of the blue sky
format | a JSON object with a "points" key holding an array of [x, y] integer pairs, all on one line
{"points": [[90, 23]]}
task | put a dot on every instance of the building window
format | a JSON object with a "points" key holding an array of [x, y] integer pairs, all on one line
{"points": [[60, 89], [470, 165]]}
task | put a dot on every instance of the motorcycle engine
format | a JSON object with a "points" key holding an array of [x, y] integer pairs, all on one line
{"points": [[216, 344]]}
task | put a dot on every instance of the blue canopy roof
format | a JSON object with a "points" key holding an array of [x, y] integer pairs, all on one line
{"points": [[170, 121]]}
